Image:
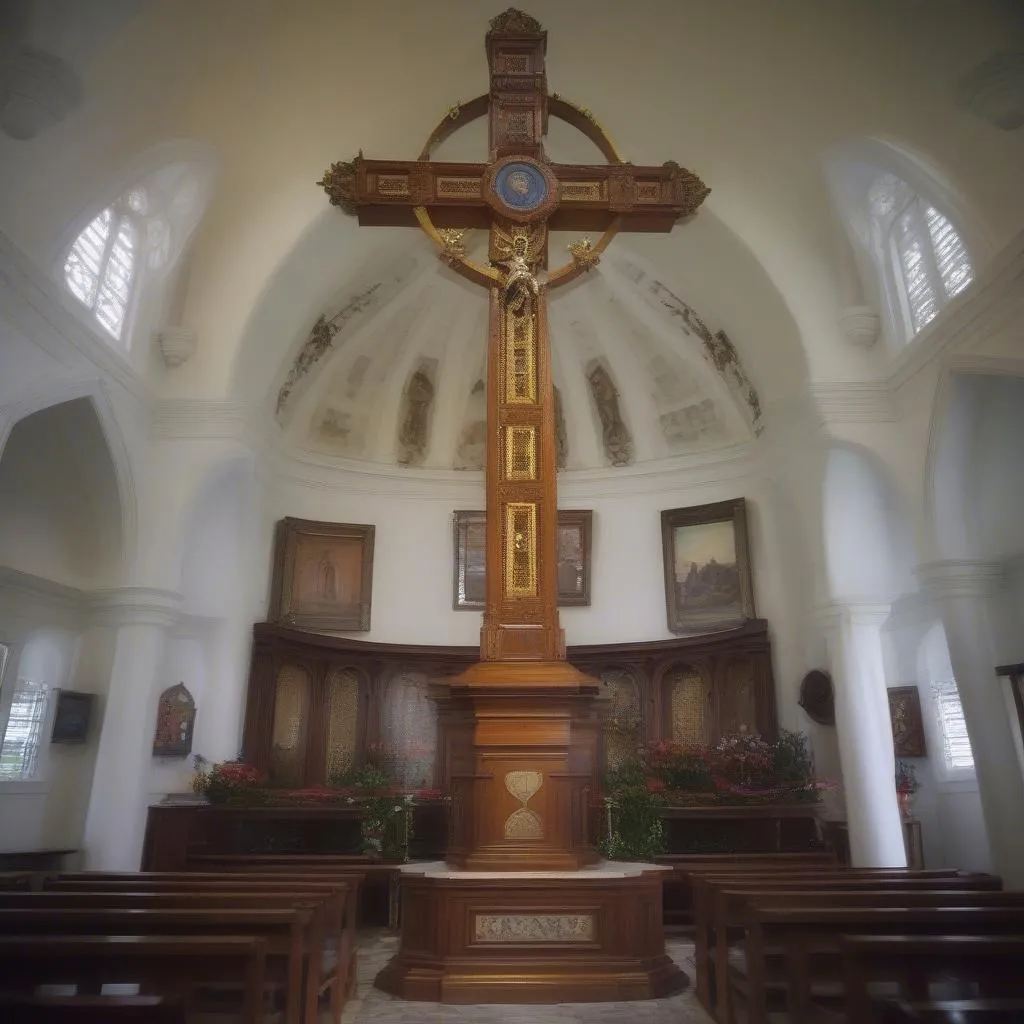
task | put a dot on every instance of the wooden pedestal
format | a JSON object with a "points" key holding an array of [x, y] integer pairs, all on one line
{"points": [[537, 937], [522, 753]]}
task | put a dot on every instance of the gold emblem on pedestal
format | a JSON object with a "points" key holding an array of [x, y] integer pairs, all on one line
{"points": [[524, 823]]}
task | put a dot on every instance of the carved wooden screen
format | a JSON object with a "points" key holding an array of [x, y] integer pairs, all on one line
{"points": [[291, 726], [737, 706], [623, 719], [690, 703], [409, 729], [342, 721]]}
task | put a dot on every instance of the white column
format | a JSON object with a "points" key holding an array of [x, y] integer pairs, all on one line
{"points": [[116, 819], [963, 592], [865, 736]]}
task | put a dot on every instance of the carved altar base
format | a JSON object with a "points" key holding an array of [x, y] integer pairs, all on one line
{"points": [[593, 935]]}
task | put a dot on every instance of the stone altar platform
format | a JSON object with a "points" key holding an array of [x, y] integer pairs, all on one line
{"points": [[593, 935]]}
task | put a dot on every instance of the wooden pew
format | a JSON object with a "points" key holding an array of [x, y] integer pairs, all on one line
{"points": [[678, 892], [706, 914], [166, 965], [327, 924], [292, 952], [231, 882], [951, 1011], [991, 962], [793, 933], [91, 1009]]}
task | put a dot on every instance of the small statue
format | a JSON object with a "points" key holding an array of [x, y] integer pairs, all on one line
{"points": [[520, 284]]}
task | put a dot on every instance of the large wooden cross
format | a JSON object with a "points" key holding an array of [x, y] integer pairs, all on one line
{"points": [[508, 743]]}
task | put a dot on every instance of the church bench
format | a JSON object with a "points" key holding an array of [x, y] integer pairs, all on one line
{"points": [[294, 950], [731, 906], [723, 902], [989, 963], [91, 1009], [334, 971], [678, 893], [229, 883], [779, 943], [706, 885], [948, 1011], [164, 965]]}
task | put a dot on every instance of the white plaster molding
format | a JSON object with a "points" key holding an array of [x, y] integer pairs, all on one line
{"points": [[854, 401], [135, 606], [994, 90], [855, 612], [177, 344], [961, 578], [45, 313], [992, 303], [198, 418], [291, 465], [26, 592], [860, 324]]}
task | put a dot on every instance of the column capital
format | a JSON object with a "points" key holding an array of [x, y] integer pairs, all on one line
{"points": [[834, 614], [135, 606], [961, 578]]}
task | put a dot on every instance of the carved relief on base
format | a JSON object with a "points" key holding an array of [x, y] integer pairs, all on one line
{"points": [[534, 928]]}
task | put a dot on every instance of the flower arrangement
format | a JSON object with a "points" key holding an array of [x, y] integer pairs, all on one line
{"points": [[386, 821], [739, 770], [906, 778]]}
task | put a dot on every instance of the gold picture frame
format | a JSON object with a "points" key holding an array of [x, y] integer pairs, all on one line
{"points": [[573, 545], [323, 575], [708, 584]]}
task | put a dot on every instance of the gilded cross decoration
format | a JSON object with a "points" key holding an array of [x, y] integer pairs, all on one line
{"points": [[518, 196]]}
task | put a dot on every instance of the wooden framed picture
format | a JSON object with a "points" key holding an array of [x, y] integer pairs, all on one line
{"points": [[175, 722], [707, 567], [72, 716], [323, 575], [907, 726], [572, 545]]}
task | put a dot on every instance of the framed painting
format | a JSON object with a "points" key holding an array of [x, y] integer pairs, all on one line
{"points": [[323, 575], [175, 722], [907, 726], [707, 567], [572, 547], [72, 716]]}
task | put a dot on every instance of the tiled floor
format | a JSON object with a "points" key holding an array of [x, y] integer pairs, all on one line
{"points": [[371, 1006]]}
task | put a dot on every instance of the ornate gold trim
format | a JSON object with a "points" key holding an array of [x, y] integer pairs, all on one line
{"points": [[521, 453], [520, 549]]}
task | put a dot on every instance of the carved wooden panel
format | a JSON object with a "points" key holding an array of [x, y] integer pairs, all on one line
{"points": [[318, 703], [623, 715]]}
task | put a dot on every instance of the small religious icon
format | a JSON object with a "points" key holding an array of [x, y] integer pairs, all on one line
{"points": [[175, 719]]}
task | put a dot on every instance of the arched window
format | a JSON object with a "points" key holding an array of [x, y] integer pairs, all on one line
{"points": [[927, 259], [119, 264], [100, 267]]}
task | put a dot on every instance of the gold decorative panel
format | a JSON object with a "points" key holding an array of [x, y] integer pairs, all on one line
{"points": [[342, 721], [691, 715], [291, 721], [523, 823], [520, 359], [521, 453], [521, 549], [449, 187], [581, 191], [534, 928], [648, 192], [513, 63], [393, 184], [624, 720]]}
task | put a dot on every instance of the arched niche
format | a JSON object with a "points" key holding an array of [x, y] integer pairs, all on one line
{"points": [[60, 506], [623, 717], [409, 729], [288, 749], [344, 685], [690, 711]]}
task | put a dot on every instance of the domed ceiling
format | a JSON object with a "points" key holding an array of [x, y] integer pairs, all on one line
{"points": [[393, 371]]}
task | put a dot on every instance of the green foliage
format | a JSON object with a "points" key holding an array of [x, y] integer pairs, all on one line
{"points": [[636, 830]]}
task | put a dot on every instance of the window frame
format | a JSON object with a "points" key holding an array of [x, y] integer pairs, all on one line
{"points": [[945, 770], [38, 757]]}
